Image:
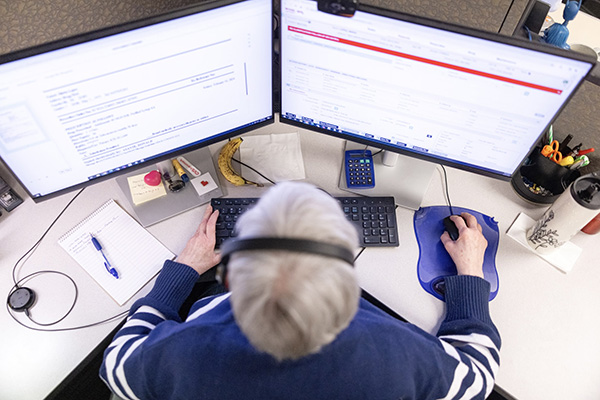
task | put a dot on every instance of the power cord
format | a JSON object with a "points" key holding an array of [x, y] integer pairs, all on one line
{"points": [[17, 286], [42, 237], [528, 33], [377, 152], [249, 167], [446, 189]]}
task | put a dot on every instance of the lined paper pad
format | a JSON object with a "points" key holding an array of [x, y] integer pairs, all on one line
{"points": [[132, 250]]}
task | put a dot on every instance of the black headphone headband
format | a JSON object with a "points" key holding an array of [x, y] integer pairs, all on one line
{"points": [[295, 245]]}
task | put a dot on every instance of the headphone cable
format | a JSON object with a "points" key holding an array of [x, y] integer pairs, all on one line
{"points": [[34, 274]]}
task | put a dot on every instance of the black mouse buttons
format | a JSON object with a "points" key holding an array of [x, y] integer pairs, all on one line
{"points": [[451, 228]]}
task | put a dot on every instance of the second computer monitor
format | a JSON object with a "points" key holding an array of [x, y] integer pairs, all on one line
{"points": [[456, 96]]}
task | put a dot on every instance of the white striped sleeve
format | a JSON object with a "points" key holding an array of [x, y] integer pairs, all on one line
{"points": [[478, 362], [126, 341]]}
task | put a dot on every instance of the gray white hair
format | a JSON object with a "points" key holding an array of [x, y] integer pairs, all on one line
{"points": [[292, 304]]}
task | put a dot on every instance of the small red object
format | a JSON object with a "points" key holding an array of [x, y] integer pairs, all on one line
{"points": [[204, 183], [153, 178], [593, 226], [586, 151]]}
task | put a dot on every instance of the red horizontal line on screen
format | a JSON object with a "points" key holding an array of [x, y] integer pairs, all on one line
{"points": [[423, 60]]}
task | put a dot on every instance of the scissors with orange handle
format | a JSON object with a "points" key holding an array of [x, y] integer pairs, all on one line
{"points": [[551, 151]]}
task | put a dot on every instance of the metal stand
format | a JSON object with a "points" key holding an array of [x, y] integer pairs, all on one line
{"points": [[172, 204]]}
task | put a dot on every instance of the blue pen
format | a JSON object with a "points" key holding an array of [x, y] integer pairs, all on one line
{"points": [[107, 265]]}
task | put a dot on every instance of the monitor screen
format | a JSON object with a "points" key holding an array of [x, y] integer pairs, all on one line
{"points": [[83, 109], [451, 95]]}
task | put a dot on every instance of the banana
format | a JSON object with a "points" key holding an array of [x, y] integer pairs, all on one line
{"points": [[224, 162]]}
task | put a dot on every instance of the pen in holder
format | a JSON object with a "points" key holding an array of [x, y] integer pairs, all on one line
{"points": [[541, 180]]}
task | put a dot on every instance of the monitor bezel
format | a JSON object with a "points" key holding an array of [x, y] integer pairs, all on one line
{"points": [[125, 27], [480, 34]]}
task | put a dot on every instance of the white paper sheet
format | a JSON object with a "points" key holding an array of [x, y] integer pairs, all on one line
{"points": [[277, 156], [562, 258]]}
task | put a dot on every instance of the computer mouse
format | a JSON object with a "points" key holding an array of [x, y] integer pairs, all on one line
{"points": [[451, 228], [435, 264]]}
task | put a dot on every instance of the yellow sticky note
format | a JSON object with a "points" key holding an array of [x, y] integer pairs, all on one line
{"points": [[141, 192]]}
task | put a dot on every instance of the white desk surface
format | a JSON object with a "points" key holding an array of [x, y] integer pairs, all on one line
{"points": [[548, 321]]}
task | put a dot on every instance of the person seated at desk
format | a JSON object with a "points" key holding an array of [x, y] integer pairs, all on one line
{"points": [[294, 326]]}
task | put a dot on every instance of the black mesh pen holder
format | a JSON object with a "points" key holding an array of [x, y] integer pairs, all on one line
{"points": [[541, 180]]}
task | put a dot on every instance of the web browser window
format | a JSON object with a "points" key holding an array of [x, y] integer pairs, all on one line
{"points": [[430, 91]]}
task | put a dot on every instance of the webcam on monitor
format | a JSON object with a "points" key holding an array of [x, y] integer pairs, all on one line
{"points": [[344, 8]]}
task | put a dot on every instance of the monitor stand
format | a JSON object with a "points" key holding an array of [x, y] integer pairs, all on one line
{"points": [[407, 180], [172, 204]]}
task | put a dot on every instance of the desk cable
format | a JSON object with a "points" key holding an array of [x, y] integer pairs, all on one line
{"points": [[21, 298], [249, 167], [446, 189]]}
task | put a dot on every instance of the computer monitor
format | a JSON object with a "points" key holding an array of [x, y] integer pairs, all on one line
{"points": [[80, 110], [430, 90]]}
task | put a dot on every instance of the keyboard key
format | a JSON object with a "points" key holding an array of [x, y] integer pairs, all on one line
{"points": [[222, 233], [391, 220], [371, 240]]}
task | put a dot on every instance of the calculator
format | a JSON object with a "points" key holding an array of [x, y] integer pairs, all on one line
{"points": [[360, 173]]}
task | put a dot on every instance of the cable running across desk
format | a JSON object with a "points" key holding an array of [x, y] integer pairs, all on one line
{"points": [[38, 273]]}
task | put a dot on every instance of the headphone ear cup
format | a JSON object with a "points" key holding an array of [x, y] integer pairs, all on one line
{"points": [[21, 299], [221, 274]]}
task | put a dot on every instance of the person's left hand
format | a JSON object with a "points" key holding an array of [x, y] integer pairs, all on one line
{"points": [[199, 252]]}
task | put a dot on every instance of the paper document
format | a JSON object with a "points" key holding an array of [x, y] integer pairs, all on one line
{"points": [[277, 156]]}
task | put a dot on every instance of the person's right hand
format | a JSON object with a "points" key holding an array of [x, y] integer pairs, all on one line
{"points": [[468, 250]]}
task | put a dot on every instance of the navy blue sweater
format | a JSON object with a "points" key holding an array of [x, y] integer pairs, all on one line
{"points": [[157, 356]]}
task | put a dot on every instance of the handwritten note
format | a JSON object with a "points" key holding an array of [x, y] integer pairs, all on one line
{"points": [[132, 251], [141, 192]]}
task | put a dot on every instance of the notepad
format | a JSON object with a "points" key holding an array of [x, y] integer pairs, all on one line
{"points": [[131, 250]]}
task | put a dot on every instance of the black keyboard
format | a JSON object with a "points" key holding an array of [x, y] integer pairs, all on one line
{"points": [[373, 217]]}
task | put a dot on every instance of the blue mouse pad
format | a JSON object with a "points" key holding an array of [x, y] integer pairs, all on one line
{"points": [[435, 262]]}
